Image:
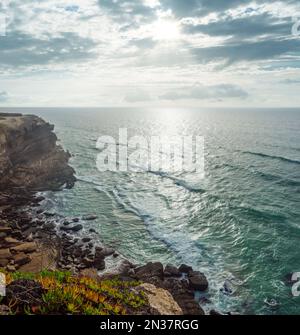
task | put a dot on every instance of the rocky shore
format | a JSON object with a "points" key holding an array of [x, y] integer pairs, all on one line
{"points": [[32, 240]]}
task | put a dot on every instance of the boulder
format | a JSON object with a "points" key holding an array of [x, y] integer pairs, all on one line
{"points": [[73, 228], [171, 271], [150, 270], [11, 242], [21, 259], [197, 281], [160, 300], [27, 247], [185, 268]]}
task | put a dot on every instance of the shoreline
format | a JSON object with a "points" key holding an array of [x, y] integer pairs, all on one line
{"points": [[32, 240]]}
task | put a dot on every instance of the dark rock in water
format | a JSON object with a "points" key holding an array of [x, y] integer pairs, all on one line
{"points": [[90, 217], [183, 296], [115, 255], [92, 231], [73, 228], [86, 239], [227, 288], [49, 214], [39, 199], [171, 271], [214, 312], [66, 223], [150, 270], [185, 268], [75, 220], [197, 281]]}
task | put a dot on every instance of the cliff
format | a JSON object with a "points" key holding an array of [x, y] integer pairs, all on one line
{"points": [[30, 159]]}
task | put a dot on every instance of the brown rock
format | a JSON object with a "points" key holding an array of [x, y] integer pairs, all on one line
{"points": [[11, 242], [25, 247], [21, 259], [171, 271]]}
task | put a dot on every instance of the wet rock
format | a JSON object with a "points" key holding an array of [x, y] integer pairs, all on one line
{"points": [[171, 271], [197, 281], [90, 217], [86, 239], [92, 231], [75, 228], [185, 268], [49, 226], [75, 220]]}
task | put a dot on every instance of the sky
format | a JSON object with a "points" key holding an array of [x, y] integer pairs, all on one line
{"points": [[150, 53]]}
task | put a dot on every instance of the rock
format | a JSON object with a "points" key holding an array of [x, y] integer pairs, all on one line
{"points": [[49, 226], [197, 281], [10, 268], [21, 259], [99, 262], [150, 270], [5, 254], [115, 255], [4, 310], [75, 220], [30, 158], [171, 271], [185, 268], [5, 230], [92, 231], [11, 242], [49, 214], [160, 300], [73, 228], [27, 247], [90, 217], [107, 252], [86, 239]]}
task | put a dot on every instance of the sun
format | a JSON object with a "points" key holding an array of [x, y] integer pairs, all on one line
{"points": [[165, 30]]}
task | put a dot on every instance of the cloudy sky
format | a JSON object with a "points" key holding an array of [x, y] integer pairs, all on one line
{"points": [[150, 53]]}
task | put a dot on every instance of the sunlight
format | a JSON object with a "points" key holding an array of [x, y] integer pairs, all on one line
{"points": [[165, 30]]}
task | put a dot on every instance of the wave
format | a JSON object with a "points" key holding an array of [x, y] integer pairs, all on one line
{"points": [[283, 159], [278, 180], [179, 182]]}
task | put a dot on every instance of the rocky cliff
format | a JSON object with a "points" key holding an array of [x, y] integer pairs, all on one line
{"points": [[30, 159]]}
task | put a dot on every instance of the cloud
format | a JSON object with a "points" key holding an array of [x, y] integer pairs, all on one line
{"points": [[20, 49], [248, 51], [137, 95], [125, 11], [193, 8], [201, 92], [244, 27], [3, 96]]}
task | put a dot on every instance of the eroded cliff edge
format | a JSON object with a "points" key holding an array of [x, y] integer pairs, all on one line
{"points": [[30, 158]]}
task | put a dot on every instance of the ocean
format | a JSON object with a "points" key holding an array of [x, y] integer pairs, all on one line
{"points": [[239, 225]]}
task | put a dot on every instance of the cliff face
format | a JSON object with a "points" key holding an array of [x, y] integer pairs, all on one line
{"points": [[30, 159]]}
